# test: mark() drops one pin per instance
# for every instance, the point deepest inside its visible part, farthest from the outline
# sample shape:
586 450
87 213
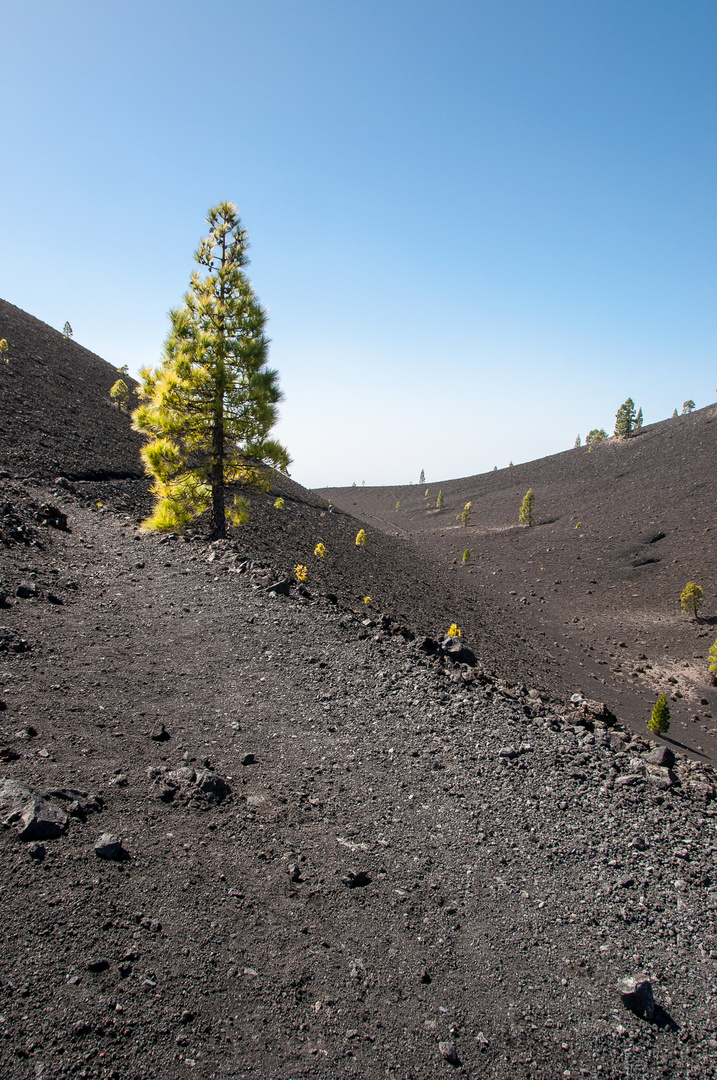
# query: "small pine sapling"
398 505
367 600
361 538
238 512
659 722
453 631
691 598
577 443
279 503
526 510
439 500
713 661
3 350
120 395
466 515
674 414
319 550
638 419
67 330
301 573
422 477
688 406
466 556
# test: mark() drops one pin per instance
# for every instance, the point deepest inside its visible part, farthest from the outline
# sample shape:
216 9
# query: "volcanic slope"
620 529
57 415
329 854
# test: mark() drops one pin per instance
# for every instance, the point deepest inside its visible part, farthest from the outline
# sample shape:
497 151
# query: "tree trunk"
219 526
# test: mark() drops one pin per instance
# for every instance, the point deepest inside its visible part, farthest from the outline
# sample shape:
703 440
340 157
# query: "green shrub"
691 598
659 722
713 660
526 510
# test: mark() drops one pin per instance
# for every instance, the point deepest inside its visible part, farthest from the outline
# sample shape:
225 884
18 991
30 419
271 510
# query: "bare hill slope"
620 530
55 406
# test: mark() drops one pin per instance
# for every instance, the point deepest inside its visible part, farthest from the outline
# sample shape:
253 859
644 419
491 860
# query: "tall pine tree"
210 405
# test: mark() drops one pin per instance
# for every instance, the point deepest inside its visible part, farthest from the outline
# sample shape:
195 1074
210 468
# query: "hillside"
620 530
58 419
260 831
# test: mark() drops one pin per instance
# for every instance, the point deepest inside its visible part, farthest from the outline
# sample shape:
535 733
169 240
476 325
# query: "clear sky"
478 225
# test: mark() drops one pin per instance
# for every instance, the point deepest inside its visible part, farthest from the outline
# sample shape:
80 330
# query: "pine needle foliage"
439 501
691 598
210 405
466 556
659 722
595 436
525 516
466 515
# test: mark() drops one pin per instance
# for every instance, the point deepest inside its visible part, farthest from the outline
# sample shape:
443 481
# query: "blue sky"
477 226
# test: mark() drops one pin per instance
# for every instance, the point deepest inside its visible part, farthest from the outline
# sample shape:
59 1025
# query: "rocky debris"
636 994
356 880
449 1053
49 515
248 759
27 592
98 964
109 846
12 641
456 651
159 733
187 785
36 851
79 804
281 588
36 817
660 756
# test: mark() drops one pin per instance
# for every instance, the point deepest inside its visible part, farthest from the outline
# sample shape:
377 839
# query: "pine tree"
659 722
439 501
210 405
638 419
688 406
466 556
674 415
422 477
67 330
691 598
526 510
594 436
577 442
466 515
625 419
120 394
3 350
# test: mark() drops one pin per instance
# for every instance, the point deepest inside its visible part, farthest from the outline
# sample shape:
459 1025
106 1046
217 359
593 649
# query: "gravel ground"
341 855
